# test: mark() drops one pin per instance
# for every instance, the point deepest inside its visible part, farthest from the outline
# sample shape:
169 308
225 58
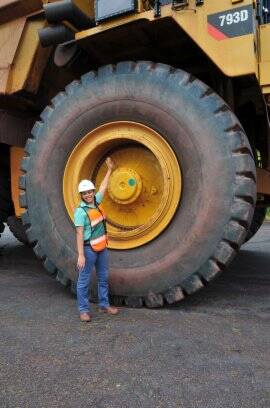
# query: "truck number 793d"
233 18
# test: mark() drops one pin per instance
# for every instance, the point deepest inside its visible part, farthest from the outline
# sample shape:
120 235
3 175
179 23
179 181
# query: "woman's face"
88 196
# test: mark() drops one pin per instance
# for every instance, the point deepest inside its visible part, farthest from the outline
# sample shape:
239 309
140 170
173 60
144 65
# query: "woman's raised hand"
103 186
110 163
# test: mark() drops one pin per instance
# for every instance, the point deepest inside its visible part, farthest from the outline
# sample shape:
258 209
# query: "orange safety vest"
99 238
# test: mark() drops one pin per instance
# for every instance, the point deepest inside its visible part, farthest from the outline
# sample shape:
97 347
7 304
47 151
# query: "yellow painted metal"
266 89
235 56
125 185
264 66
16 155
22 59
23 68
10 35
264 42
87 6
30 58
144 189
15 9
265 73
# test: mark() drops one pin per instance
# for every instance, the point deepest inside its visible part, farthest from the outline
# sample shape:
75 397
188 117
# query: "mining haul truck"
177 93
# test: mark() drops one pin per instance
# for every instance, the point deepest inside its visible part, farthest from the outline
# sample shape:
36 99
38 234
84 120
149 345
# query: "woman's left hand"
110 164
104 184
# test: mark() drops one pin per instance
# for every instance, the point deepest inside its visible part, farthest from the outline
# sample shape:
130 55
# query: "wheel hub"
125 185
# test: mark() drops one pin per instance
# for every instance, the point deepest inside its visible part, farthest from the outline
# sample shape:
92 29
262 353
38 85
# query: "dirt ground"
210 351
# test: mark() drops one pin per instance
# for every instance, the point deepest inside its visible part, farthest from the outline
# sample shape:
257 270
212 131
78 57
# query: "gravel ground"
210 351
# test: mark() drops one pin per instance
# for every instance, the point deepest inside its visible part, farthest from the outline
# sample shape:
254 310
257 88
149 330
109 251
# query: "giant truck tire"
181 199
6 207
257 221
17 228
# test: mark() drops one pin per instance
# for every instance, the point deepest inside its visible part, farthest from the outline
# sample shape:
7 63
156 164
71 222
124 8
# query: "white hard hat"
85 185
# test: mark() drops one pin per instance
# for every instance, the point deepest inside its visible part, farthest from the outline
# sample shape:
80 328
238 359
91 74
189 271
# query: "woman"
91 244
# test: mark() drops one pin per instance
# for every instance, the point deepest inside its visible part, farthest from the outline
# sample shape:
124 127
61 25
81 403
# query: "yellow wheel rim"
144 189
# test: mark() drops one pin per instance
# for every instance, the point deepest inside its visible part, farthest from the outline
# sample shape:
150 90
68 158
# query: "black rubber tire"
17 228
6 206
217 166
257 221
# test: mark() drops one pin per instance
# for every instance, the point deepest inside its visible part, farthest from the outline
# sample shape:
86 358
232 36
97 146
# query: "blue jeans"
100 261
